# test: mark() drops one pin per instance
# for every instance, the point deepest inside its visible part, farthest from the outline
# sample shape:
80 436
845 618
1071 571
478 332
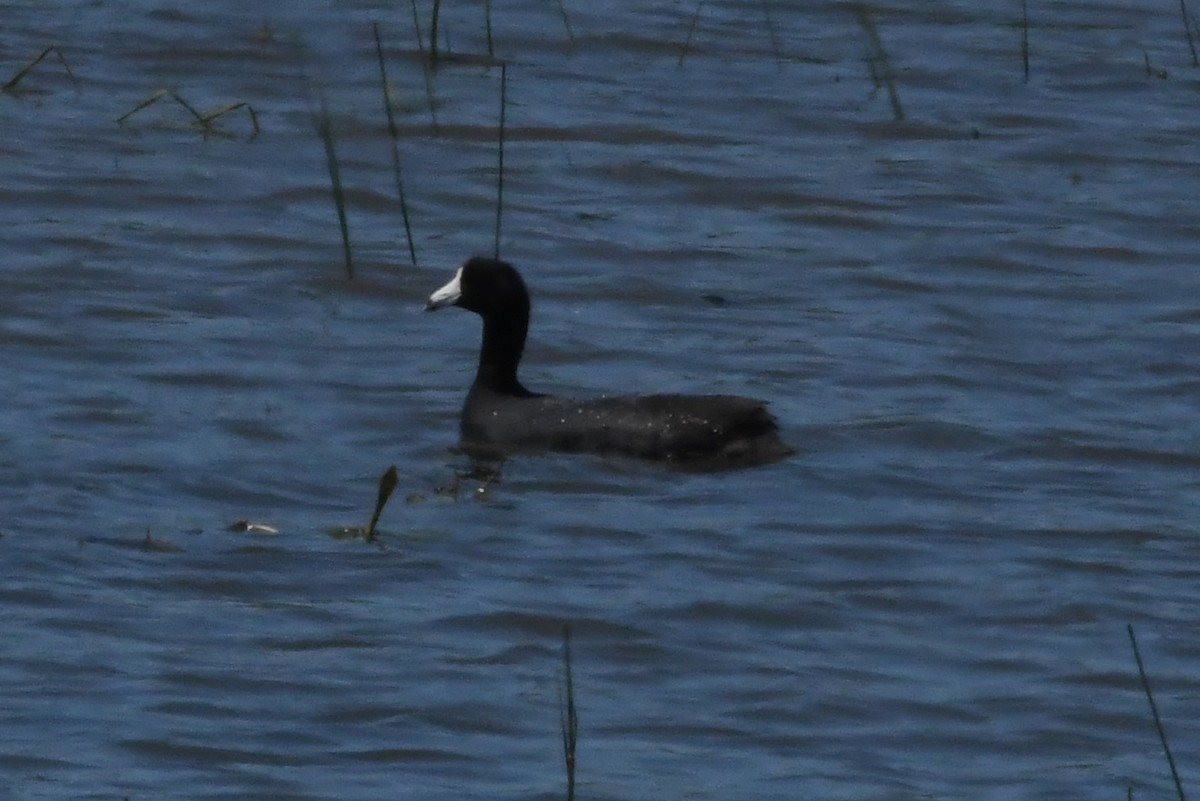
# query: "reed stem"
1187 29
394 135
1162 734
1025 38
562 10
775 47
433 33
500 154
424 67
687 42
487 23
325 130
569 718
879 57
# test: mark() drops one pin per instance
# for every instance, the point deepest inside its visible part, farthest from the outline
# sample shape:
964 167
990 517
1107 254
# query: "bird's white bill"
447 295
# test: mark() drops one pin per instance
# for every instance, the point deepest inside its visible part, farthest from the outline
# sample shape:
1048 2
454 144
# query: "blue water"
977 325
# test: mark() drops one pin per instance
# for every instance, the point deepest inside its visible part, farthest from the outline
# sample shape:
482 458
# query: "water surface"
978 326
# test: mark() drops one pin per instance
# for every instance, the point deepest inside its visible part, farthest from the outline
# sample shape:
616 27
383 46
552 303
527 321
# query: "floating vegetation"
203 120
11 84
395 137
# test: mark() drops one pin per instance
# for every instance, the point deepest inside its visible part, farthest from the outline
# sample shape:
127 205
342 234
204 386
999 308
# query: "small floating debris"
246 527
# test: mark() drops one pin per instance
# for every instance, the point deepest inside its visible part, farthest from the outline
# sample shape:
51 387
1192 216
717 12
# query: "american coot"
707 431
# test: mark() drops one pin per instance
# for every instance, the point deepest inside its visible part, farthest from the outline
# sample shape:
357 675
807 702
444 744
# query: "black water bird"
500 414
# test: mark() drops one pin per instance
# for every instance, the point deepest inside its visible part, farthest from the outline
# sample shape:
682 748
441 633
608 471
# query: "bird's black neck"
503 344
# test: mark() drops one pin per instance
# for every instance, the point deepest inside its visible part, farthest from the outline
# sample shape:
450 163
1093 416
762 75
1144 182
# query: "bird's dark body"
500 414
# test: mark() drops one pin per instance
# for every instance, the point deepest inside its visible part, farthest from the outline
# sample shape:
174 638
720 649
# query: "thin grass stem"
568 716
207 119
11 84
880 58
178 99
562 10
21 73
687 42
1187 29
1162 734
775 46
500 154
325 130
154 98
394 135
417 29
1025 38
425 68
487 24
433 33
